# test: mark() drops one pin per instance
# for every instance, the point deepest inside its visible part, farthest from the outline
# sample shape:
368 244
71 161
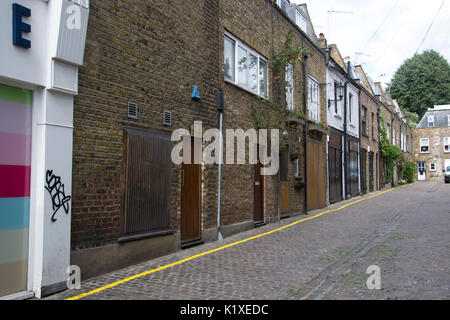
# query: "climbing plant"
391 153
271 113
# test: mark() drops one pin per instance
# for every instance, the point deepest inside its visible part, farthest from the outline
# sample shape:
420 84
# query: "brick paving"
405 232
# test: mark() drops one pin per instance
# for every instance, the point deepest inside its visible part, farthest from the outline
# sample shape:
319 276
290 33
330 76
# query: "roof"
441 117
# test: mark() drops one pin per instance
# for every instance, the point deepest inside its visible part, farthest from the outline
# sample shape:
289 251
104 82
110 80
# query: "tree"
422 82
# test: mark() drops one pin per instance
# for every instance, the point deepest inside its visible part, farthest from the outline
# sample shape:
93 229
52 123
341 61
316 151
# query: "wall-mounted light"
339 92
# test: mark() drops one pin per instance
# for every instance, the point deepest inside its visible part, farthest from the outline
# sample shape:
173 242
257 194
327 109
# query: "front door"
364 171
15 171
284 181
422 170
191 185
316 171
335 167
258 191
371 176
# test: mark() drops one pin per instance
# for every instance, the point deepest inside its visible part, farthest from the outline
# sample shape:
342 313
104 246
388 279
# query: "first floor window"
289 87
350 107
432 166
244 66
364 120
313 100
424 145
447 144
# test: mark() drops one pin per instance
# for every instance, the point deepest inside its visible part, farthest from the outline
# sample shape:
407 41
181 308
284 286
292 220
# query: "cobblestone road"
405 232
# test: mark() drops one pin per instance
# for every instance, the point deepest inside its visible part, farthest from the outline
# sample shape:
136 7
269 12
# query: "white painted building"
342 101
42 45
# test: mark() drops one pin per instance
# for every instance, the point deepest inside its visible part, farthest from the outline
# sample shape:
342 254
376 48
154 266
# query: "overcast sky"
405 25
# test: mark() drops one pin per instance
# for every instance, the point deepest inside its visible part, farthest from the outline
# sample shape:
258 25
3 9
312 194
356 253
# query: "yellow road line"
222 248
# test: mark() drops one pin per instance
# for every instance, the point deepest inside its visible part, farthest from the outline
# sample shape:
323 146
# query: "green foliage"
391 153
270 113
422 82
412 118
409 170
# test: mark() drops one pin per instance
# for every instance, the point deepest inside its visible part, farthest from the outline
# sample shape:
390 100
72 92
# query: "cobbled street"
404 231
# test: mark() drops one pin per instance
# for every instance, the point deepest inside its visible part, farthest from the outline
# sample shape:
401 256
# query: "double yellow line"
112 285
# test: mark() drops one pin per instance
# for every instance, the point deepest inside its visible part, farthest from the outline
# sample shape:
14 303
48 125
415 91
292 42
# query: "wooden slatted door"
335 168
191 186
284 181
363 171
258 190
148 169
316 171
371 171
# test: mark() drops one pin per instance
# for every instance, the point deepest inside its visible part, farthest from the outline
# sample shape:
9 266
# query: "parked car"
447 174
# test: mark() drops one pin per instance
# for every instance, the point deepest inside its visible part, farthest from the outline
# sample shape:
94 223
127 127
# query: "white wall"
52 122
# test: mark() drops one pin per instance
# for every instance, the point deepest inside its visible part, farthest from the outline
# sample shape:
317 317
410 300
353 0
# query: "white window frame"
350 106
301 21
447 145
402 142
289 87
448 120
431 118
313 99
238 43
431 167
425 145
297 168
393 136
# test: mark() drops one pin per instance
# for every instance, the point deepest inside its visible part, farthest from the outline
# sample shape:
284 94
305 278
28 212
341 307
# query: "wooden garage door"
316 171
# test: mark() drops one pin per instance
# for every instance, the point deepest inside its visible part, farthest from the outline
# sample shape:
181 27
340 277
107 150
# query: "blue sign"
19 26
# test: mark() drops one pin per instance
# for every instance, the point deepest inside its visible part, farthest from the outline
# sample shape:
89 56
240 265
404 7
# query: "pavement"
405 232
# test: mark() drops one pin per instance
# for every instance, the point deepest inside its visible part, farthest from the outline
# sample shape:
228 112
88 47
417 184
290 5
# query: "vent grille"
132 110
167 118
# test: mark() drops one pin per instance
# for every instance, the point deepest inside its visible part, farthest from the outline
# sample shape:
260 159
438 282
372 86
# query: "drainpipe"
379 149
220 106
305 133
360 138
345 130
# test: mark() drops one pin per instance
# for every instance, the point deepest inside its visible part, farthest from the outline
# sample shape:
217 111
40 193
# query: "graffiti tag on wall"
56 189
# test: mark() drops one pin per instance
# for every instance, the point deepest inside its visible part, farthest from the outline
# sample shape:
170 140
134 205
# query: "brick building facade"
142 63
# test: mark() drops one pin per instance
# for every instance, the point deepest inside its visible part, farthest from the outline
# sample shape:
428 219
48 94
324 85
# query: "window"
300 20
430 121
432 166
289 87
248 71
297 168
229 61
401 141
350 107
336 97
448 120
388 131
313 100
447 144
393 136
364 120
373 118
425 145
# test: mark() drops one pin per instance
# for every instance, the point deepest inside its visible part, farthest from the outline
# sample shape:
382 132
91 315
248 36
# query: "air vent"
167 118
132 110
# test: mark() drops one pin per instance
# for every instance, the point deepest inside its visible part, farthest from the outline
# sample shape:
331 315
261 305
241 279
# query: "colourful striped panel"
14 181
14 213
15 117
13 245
15 149
15 94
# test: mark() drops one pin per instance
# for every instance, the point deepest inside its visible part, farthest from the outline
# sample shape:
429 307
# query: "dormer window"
300 20
430 121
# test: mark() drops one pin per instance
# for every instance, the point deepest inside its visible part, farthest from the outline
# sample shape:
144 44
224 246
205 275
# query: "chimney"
322 41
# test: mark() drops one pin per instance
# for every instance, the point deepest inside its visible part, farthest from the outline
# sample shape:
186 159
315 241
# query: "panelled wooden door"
363 171
316 171
371 171
258 190
191 186
284 181
382 173
335 168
